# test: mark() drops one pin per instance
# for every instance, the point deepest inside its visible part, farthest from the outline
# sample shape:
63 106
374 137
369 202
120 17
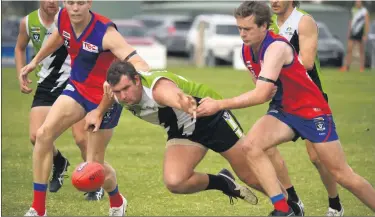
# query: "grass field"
136 152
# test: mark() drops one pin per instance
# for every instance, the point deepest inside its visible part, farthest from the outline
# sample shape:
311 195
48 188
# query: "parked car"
221 37
170 30
11 26
330 49
148 48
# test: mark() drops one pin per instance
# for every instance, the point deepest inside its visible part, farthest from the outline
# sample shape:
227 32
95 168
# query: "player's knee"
344 176
315 160
44 134
82 145
81 141
174 183
251 148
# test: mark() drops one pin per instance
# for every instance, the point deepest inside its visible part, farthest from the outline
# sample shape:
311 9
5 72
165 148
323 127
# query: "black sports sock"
217 182
292 194
58 160
334 203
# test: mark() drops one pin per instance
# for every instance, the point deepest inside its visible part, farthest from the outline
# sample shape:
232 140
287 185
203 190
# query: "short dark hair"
118 69
296 4
260 10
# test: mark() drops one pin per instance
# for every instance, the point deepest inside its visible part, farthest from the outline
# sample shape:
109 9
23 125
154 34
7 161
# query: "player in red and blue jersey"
93 43
298 109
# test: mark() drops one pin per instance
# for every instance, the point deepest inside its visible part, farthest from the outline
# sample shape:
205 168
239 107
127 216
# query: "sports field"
136 152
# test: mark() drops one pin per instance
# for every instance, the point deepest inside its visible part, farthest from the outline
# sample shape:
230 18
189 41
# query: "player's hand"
93 120
208 106
107 90
188 104
23 78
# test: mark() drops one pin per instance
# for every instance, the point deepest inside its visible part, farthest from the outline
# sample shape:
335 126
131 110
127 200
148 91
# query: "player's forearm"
105 104
308 60
20 59
140 65
244 100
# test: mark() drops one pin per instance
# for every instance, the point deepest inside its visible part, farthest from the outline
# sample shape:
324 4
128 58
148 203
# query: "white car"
154 53
220 38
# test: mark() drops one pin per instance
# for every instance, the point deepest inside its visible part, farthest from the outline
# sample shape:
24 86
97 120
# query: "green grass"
136 152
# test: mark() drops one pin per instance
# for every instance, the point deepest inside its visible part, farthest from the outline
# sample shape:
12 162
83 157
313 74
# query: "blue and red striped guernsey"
297 94
89 60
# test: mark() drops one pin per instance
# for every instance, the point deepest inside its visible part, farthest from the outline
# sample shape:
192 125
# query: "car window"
151 23
323 33
226 30
183 25
372 30
131 31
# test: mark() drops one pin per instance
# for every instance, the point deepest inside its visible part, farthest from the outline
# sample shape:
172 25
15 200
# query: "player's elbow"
309 65
308 61
263 97
19 49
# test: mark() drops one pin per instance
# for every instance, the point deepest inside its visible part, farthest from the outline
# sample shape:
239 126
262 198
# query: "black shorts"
44 96
357 37
218 132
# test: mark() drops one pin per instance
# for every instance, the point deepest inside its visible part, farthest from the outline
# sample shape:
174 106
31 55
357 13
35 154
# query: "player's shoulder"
307 22
101 18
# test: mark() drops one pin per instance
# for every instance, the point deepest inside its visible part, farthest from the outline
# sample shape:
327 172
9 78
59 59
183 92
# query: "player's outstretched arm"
308 41
166 93
20 53
116 43
277 54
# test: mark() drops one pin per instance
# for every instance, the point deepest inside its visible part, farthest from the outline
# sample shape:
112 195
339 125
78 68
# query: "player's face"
250 33
50 7
78 10
127 91
279 7
358 3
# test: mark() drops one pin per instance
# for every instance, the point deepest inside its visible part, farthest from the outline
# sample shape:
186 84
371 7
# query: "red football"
88 177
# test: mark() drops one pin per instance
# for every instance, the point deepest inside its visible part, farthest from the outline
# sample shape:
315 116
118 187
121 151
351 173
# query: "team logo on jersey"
35 29
36 37
90 47
251 69
66 35
289 31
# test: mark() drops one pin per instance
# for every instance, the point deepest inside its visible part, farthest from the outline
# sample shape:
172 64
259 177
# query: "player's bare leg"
60 164
333 158
327 179
95 153
239 164
80 136
63 114
180 161
283 175
348 58
267 132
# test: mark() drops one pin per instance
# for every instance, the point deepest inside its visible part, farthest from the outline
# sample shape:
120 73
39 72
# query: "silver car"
170 30
330 49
